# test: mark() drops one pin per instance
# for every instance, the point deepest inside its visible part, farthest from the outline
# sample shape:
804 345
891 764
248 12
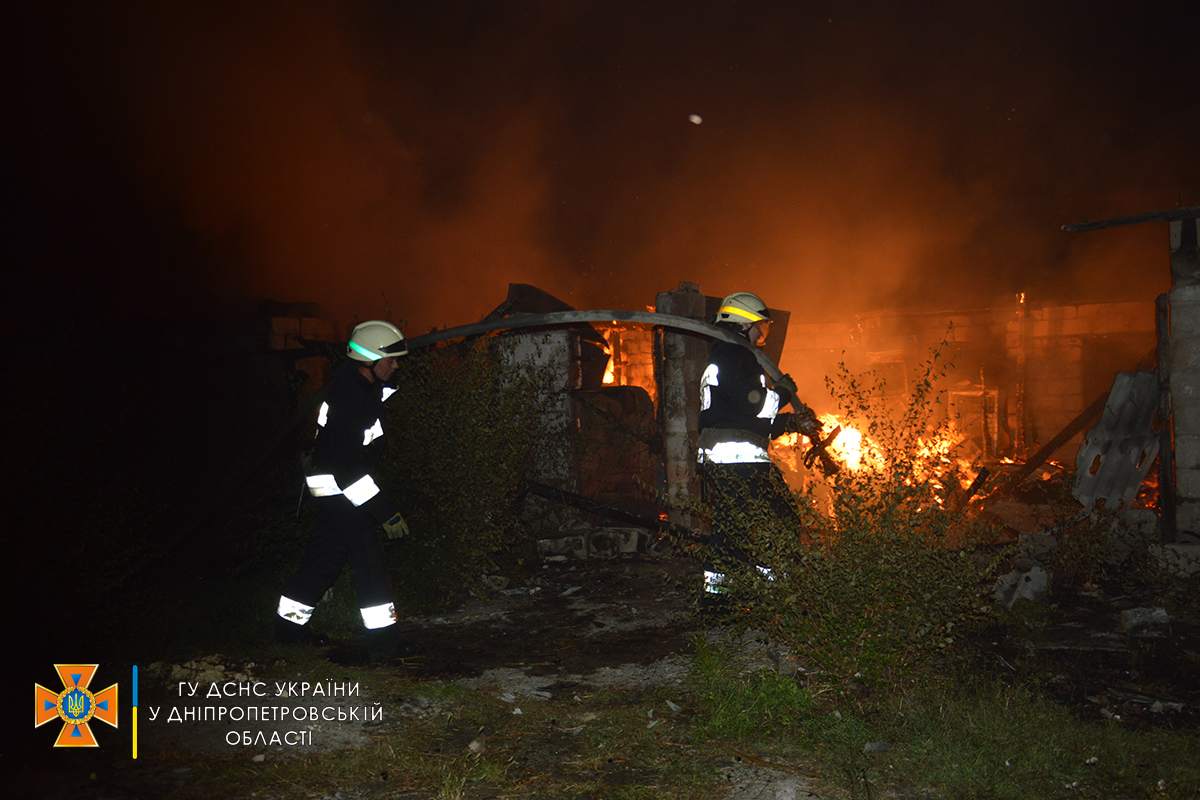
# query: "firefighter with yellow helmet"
350 506
740 412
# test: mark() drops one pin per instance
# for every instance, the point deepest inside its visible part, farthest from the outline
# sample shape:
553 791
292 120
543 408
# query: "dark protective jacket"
350 441
735 400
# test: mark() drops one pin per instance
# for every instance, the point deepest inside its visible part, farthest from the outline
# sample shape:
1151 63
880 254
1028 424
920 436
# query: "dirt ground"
578 619
625 623
577 628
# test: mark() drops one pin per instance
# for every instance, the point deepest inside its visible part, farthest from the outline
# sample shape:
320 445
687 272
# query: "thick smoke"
412 159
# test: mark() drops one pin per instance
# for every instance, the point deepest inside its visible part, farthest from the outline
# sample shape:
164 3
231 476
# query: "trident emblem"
75 705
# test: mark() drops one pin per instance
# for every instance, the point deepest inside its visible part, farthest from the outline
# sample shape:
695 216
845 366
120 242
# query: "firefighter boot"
288 632
384 644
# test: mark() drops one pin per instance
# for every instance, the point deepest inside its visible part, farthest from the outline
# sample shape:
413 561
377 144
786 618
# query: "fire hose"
569 317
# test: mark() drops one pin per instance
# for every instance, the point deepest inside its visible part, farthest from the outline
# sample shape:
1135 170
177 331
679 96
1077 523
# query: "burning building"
1028 379
1026 382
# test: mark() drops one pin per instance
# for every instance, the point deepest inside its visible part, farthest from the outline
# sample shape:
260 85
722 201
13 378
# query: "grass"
951 733
956 735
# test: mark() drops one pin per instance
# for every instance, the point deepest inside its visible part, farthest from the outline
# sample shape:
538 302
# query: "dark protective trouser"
342 534
730 489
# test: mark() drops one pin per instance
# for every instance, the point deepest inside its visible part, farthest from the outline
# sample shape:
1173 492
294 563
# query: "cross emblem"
75 705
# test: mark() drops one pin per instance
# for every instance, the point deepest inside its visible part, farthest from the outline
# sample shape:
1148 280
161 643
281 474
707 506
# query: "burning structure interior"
1021 375
1028 380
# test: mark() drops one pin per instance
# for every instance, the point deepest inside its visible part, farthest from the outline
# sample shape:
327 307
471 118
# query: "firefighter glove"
807 422
786 387
396 527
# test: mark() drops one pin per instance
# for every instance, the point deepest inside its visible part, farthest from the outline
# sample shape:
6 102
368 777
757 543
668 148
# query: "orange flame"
856 451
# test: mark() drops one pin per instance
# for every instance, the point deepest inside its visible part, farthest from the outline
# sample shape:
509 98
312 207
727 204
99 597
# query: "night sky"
411 159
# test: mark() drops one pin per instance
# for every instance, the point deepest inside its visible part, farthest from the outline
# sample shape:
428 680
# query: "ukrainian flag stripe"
135 705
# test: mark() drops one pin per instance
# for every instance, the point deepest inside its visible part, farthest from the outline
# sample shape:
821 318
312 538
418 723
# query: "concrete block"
1082 327
1066 351
282 341
613 542
321 330
1100 310
1146 622
1044 329
1187 484
1184 294
1058 410
1051 353
1039 370
1185 387
1056 388
1033 585
1185 357
285 325
1187 516
1186 413
1092 311
1185 321
1059 312
1067 403
1142 522
570 547
1182 560
1187 451
971 333
838 329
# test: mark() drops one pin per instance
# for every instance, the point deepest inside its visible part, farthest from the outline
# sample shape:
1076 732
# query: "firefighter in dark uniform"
350 506
740 412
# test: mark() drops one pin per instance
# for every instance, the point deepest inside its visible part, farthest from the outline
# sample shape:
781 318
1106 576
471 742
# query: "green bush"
463 427
882 576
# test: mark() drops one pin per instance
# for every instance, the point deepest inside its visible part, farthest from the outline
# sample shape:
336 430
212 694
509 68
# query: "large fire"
936 457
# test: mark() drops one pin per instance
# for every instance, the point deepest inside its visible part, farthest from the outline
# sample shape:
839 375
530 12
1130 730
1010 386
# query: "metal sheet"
1116 454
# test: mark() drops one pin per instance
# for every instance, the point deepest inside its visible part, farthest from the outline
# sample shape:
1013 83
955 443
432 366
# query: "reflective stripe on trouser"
342 534
294 610
713 581
322 485
378 616
359 492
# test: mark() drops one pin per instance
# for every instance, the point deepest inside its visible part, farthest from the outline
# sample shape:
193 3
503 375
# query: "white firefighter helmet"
743 307
375 339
